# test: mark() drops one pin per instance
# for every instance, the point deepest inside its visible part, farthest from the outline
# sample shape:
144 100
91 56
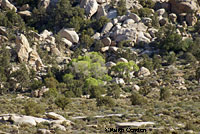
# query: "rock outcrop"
90 6
7 5
183 6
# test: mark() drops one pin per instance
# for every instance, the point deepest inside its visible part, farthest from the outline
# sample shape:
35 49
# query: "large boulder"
191 19
101 12
107 27
23 48
90 6
7 5
121 33
70 34
54 116
28 120
183 6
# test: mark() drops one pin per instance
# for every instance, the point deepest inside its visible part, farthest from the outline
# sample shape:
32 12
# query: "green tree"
90 65
137 99
62 102
33 108
124 69
51 82
121 7
165 93
105 101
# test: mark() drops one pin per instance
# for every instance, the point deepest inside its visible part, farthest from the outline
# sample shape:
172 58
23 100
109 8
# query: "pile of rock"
55 120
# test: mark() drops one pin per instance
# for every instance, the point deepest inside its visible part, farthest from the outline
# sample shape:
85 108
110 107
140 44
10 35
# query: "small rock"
122 60
25 7
143 72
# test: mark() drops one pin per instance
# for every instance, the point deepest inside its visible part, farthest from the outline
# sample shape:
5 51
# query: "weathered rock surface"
90 6
183 6
25 13
23 48
143 72
7 5
70 34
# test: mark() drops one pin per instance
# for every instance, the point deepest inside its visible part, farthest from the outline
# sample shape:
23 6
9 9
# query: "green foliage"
125 43
62 102
157 60
5 63
144 12
113 90
155 21
147 62
69 94
165 93
52 93
96 91
36 84
33 108
124 69
68 78
32 3
92 82
105 101
98 24
90 65
169 40
121 7
86 41
198 74
171 58
190 126
22 76
51 82
189 57
10 19
137 99
147 3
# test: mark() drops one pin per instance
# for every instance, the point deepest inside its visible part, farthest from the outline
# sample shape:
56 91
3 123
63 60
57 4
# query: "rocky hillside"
84 66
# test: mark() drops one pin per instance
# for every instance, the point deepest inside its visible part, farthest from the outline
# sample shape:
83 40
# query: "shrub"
137 99
189 57
51 82
33 108
98 24
69 94
121 7
124 69
198 74
105 101
147 3
113 90
95 91
144 12
164 93
171 58
62 102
